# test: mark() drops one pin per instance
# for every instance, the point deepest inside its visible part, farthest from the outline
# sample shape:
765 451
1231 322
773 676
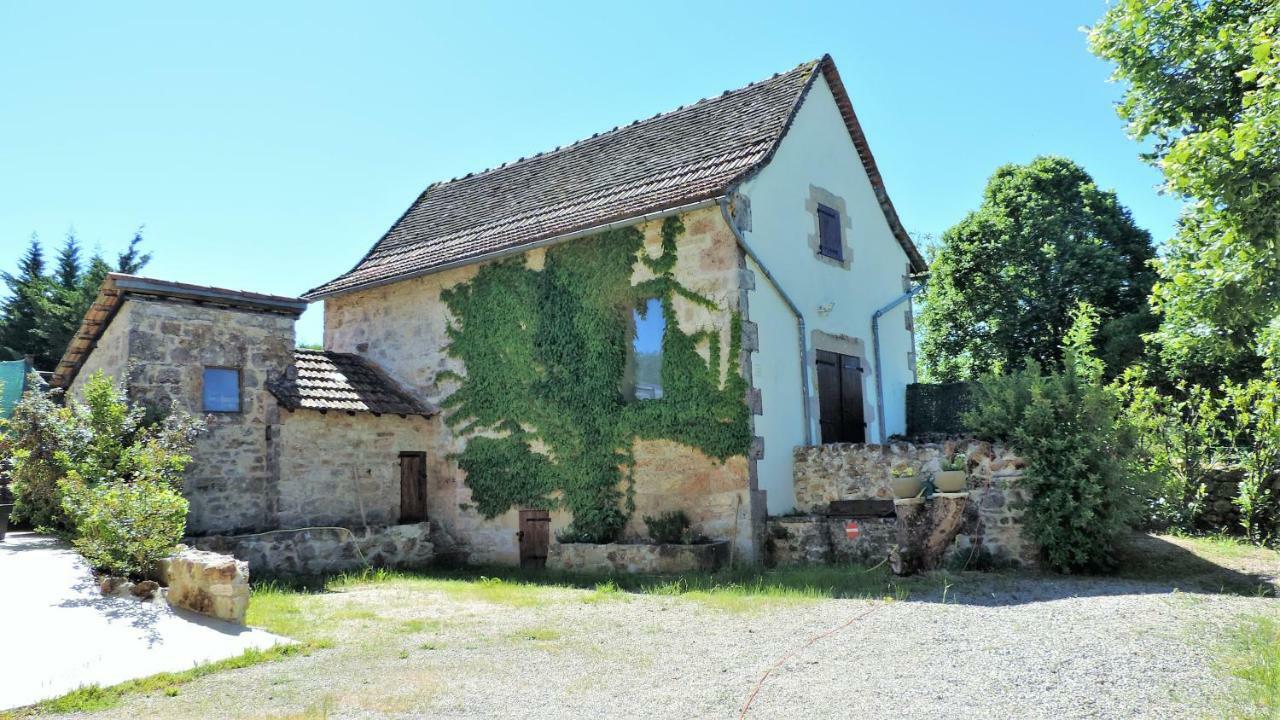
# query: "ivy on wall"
542 400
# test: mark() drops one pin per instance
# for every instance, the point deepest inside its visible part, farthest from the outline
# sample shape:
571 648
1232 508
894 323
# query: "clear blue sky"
266 146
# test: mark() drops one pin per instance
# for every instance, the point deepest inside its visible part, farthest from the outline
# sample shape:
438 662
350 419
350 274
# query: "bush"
39 431
1179 438
125 528
1067 426
669 528
1253 410
103 474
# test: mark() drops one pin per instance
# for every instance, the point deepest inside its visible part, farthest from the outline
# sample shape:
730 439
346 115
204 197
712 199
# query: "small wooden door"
535 537
413 487
840 398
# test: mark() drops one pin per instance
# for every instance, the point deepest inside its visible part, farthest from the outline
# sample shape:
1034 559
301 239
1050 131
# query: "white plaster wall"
818 151
775 371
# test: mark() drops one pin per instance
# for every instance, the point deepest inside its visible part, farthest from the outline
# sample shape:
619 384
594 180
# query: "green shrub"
1067 426
669 527
1254 431
103 473
1179 438
40 430
125 528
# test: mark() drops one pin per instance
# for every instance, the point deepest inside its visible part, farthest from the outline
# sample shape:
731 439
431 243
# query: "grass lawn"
382 644
1252 659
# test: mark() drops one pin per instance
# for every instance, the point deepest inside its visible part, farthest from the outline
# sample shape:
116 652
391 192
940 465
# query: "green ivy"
542 400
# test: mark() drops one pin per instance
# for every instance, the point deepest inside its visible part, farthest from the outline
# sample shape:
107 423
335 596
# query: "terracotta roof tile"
322 380
694 153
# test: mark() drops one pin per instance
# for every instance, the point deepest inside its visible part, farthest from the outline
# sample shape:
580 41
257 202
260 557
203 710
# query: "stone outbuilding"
294 438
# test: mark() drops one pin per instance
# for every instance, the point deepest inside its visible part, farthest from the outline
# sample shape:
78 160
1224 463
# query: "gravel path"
999 647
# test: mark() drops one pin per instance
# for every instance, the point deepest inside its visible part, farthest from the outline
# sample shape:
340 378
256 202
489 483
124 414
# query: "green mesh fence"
937 408
13 376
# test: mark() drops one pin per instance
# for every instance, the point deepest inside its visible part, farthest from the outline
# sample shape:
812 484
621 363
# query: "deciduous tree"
1005 280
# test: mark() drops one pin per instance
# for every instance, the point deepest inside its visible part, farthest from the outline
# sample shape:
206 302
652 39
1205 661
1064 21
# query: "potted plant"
905 482
952 477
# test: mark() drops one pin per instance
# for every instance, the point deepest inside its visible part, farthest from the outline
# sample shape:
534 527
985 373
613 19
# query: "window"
644 364
221 390
829 243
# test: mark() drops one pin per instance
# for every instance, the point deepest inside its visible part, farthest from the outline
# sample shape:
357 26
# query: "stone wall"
164 346
324 551
640 558
402 327
816 539
110 354
992 529
341 469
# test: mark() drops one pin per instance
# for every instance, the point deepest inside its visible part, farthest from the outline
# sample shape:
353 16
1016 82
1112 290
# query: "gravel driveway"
998 647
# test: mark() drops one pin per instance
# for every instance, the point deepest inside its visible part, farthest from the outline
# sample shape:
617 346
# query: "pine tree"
43 310
68 271
21 310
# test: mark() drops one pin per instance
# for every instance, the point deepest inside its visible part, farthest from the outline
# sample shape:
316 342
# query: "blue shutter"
829 233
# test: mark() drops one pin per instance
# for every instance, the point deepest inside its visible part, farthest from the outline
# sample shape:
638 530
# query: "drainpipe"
875 343
804 345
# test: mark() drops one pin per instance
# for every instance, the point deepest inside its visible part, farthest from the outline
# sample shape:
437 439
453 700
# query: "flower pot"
4 519
906 487
950 481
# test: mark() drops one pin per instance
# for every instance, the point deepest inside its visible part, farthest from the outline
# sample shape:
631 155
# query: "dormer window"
829 241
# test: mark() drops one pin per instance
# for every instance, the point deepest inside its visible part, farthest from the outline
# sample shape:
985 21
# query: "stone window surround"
239 390
843 345
819 196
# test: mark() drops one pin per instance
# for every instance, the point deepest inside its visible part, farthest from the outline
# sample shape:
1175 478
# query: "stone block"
208 583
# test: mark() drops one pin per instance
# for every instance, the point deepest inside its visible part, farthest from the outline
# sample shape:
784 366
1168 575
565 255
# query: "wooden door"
840 398
535 537
413 487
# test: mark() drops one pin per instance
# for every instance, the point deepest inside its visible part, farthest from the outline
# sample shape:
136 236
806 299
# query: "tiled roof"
691 154
322 380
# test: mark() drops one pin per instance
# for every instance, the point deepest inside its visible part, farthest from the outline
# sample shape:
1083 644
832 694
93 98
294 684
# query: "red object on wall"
851 529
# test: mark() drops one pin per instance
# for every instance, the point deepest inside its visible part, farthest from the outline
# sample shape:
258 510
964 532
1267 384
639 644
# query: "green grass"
1253 661
734 590
92 698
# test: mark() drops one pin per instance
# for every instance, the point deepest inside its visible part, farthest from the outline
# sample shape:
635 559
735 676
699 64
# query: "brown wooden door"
840 398
413 487
535 537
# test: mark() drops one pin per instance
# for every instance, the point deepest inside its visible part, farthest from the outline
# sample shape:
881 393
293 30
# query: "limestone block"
208 583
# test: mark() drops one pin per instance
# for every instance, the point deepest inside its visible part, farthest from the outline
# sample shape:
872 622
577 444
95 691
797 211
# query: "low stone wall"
322 551
814 540
207 583
992 529
637 558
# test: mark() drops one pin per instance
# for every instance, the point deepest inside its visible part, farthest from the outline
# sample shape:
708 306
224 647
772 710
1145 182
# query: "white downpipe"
875 344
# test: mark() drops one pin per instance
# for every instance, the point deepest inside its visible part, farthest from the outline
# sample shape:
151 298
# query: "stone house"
648 320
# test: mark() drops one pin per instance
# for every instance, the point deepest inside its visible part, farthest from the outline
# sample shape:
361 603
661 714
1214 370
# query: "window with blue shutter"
829 243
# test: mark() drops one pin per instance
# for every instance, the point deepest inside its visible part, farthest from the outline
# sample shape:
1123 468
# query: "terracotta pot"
4 519
950 481
906 487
